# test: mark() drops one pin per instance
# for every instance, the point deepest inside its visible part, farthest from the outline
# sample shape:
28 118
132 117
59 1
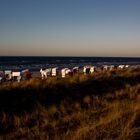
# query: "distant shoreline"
34 63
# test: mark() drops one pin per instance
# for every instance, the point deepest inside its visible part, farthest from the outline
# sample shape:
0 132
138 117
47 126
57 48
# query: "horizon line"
67 56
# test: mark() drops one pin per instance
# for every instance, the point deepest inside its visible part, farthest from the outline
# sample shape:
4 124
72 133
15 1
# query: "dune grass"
102 106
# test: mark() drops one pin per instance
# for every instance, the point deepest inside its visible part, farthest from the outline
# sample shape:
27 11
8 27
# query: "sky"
70 28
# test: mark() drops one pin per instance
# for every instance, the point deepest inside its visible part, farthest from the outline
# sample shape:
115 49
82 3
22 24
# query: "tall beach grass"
102 106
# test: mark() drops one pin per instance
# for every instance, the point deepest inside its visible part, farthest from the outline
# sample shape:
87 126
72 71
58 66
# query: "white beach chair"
86 70
16 76
64 72
45 73
8 74
55 71
121 66
92 69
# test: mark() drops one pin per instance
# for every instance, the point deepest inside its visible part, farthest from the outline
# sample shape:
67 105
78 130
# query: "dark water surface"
35 63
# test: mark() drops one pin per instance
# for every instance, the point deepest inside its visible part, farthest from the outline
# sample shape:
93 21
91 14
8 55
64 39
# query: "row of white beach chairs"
112 67
58 71
67 71
9 75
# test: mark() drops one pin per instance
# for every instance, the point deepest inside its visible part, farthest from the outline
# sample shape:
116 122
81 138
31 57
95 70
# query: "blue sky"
70 27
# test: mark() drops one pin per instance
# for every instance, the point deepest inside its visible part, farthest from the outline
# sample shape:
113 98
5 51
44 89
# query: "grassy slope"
101 106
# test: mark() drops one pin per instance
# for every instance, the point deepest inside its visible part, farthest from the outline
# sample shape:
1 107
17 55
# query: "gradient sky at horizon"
70 28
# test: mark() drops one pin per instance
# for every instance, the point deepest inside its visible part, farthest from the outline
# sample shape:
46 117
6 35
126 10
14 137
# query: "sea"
35 63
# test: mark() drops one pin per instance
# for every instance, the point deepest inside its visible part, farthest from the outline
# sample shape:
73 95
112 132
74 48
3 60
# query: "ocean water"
35 63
